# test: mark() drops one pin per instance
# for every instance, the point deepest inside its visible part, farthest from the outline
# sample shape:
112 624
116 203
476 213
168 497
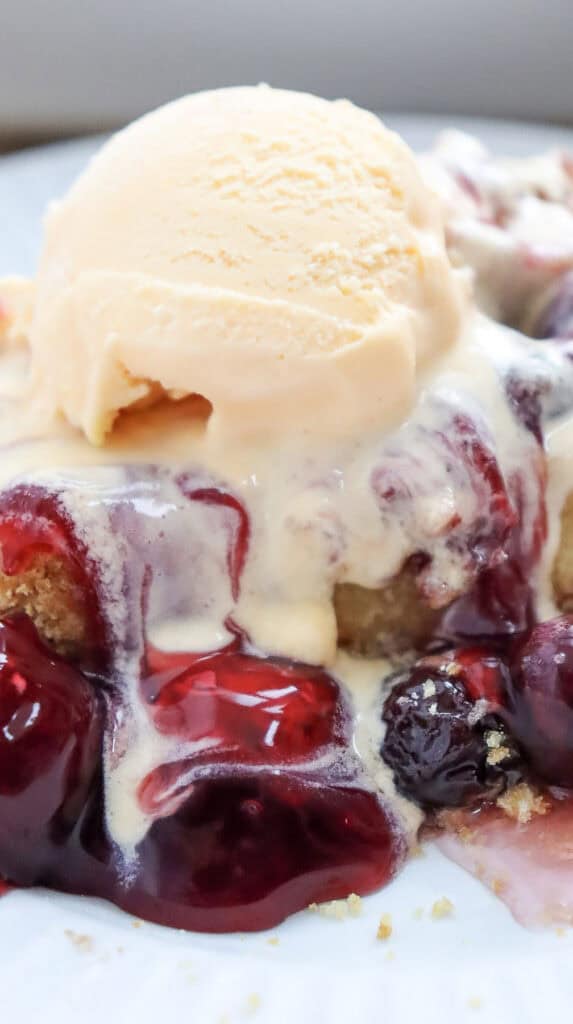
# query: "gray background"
68 66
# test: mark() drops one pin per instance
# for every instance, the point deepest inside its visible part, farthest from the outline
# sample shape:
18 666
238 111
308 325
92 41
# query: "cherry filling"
268 821
259 711
245 851
539 699
498 607
51 724
493 531
425 469
263 814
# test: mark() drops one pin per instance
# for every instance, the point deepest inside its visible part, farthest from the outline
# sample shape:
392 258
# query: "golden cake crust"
382 622
53 600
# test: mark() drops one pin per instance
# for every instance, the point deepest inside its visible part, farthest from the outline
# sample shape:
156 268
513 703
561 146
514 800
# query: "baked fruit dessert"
285 529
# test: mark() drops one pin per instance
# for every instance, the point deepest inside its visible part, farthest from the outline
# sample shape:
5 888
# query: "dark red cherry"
540 699
429 463
437 735
499 605
242 852
252 709
50 748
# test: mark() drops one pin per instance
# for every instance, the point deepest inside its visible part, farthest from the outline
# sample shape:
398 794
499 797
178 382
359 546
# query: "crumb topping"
479 710
442 908
338 910
429 688
467 835
498 885
253 1002
83 943
384 927
521 802
497 750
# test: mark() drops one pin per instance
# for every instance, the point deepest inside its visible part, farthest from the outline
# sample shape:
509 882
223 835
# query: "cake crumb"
521 802
417 850
354 905
453 669
442 908
498 886
390 955
467 835
273 941
497 751
83 943
384 928
429 688
494 738
479 710
338 910
253 1002
418 913
497 755
475 1002
561 933
136 923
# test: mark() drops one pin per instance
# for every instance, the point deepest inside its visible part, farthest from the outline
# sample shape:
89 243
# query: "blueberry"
447 749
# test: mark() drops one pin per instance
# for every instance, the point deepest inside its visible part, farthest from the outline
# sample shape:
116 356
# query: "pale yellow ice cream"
272 251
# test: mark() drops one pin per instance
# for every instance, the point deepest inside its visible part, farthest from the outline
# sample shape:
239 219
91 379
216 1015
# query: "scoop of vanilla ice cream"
274 252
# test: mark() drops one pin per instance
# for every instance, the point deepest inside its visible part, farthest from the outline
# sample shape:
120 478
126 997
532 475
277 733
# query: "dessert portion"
284 527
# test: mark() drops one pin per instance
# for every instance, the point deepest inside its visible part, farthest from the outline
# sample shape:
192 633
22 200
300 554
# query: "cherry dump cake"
285 519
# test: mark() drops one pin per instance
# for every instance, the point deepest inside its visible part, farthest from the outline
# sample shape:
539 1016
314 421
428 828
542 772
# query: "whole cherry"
50 748
539 699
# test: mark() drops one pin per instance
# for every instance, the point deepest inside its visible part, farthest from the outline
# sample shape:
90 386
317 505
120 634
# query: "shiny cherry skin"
243 851
539 709
50 749
256 710
436 738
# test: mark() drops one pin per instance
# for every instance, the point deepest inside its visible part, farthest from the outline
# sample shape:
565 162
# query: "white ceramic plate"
65 960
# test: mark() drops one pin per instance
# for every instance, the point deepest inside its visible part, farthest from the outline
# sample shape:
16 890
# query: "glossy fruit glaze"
436 739
238 846
539 699
497 526
263 711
